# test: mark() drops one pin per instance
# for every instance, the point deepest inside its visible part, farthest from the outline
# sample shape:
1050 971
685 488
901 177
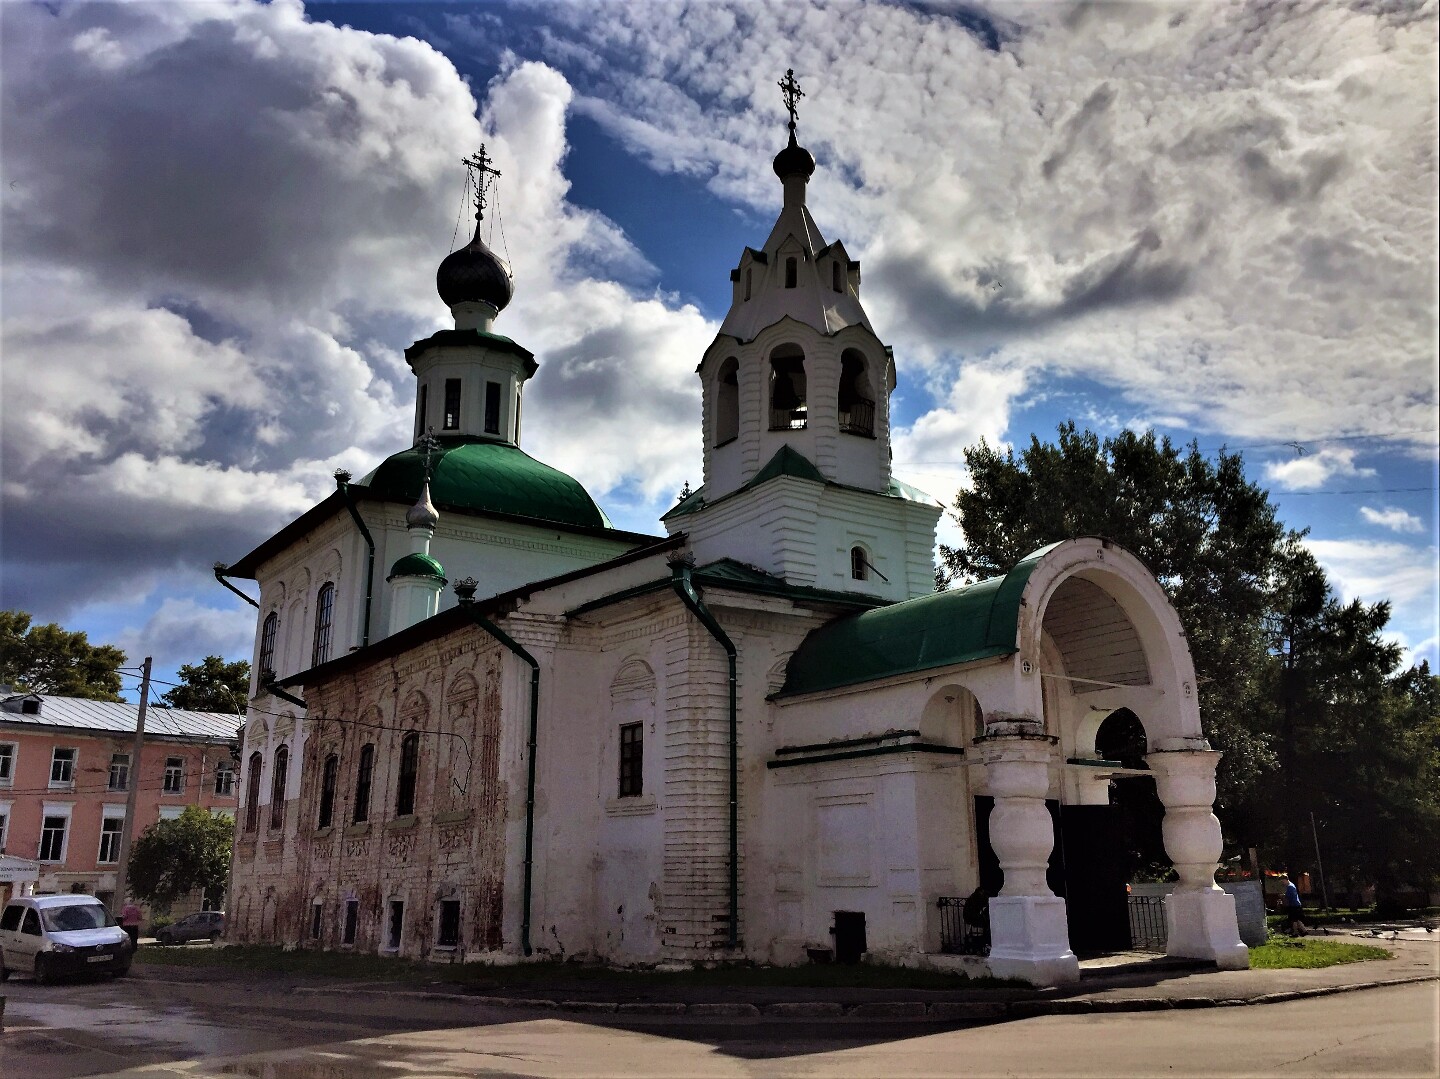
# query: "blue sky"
221 223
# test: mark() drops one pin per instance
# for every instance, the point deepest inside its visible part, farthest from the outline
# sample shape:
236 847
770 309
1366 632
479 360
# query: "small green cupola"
417 579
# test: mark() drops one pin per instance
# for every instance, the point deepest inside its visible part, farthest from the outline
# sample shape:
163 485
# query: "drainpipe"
220 569
465 593
275 691
342 482
685 589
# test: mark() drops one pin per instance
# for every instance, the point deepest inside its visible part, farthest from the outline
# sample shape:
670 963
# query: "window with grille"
252 793
327 790
362 783
409 772
111 829
277 788
859 564
174 775
267 646
119 771
632 760
324 621
52 839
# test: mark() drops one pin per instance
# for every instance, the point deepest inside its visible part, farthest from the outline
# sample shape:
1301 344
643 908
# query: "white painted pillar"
1028 935
1199 914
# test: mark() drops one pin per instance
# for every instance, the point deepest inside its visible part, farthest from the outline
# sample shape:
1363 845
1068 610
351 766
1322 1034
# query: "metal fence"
1147 923
957 935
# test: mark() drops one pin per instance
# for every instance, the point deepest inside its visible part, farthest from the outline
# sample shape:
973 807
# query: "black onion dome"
474 273
794 160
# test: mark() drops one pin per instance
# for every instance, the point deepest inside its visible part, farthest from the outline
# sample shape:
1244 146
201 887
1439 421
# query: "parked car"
50 936
202 925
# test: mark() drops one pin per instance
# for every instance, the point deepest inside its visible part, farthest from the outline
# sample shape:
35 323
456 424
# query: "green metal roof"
417 565
471 473
963 625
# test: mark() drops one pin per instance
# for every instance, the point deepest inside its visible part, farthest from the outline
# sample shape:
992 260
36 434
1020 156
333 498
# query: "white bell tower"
796 390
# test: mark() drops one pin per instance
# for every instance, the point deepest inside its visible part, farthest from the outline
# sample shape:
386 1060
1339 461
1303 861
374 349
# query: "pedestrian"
1293 908
130 921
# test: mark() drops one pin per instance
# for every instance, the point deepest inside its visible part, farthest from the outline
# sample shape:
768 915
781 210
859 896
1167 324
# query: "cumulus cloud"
1312 470
185 628
1401 573
1393 518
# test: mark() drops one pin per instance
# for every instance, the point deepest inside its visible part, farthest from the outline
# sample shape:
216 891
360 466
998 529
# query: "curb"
892 1010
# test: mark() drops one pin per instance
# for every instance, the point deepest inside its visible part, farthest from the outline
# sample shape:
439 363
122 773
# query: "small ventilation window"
792 272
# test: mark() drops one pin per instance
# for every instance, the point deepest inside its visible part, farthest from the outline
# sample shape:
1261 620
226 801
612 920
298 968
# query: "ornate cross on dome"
792 93
430 445
479 164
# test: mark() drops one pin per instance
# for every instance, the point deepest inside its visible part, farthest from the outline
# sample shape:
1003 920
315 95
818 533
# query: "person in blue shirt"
1293 909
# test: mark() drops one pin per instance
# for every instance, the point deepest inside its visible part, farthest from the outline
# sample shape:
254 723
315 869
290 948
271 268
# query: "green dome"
470 473
417 565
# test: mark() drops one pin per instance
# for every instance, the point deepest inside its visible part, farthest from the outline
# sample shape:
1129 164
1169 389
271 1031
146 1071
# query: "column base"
1030 940
1202 925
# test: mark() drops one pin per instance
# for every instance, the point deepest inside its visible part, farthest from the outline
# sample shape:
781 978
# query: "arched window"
792 270
324 623
857 405
409 771
277 788
252 793
727 402
268 632
328 777
788 411
835 277
362 783
859 564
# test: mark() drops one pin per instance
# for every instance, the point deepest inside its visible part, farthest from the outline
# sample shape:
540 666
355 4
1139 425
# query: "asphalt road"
159 1025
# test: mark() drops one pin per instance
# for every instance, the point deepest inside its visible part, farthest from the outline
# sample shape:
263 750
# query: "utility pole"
127 832
1324 892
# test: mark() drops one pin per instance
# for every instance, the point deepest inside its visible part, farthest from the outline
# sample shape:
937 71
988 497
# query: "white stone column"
1028 935
1199 915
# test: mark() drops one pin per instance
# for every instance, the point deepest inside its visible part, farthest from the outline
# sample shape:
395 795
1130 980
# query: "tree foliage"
211 685
174 857
50 659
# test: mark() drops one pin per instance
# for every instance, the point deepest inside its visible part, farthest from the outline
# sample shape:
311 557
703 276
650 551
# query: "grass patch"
547 975
1284 952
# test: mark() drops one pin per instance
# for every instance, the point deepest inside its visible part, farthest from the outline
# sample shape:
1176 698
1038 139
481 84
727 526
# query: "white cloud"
1313 470
1372 571
187 629
1393 518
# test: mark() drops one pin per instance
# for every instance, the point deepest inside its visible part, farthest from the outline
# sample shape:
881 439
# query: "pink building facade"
66 770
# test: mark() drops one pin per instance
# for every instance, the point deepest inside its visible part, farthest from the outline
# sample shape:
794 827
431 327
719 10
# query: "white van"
49 936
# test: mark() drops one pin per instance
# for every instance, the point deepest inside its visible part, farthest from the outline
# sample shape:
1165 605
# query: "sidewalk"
1114 984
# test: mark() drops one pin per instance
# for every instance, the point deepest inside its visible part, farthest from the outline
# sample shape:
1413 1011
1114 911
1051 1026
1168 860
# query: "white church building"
762 737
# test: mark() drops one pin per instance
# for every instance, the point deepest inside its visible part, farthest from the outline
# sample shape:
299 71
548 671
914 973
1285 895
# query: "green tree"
1210 536
211 686
172 858
49 659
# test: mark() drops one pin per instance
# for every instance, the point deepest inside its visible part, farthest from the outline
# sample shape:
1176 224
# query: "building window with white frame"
174 775
4 823
7 763
224 779
54 830
62 766
119 771
112 825
170 812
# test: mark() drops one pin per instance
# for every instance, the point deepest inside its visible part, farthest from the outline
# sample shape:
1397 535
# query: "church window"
788 410
362 783
517 416
252 794
448 935
792 271
409 772
324 623
727 402
835 278
352 921
277 788
451 420
748 274
492 408
395 925
632 760
328 776
859 564
856 402
267 646
317 916
420 408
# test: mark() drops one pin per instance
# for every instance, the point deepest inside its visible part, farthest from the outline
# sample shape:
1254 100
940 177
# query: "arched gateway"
1020 672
